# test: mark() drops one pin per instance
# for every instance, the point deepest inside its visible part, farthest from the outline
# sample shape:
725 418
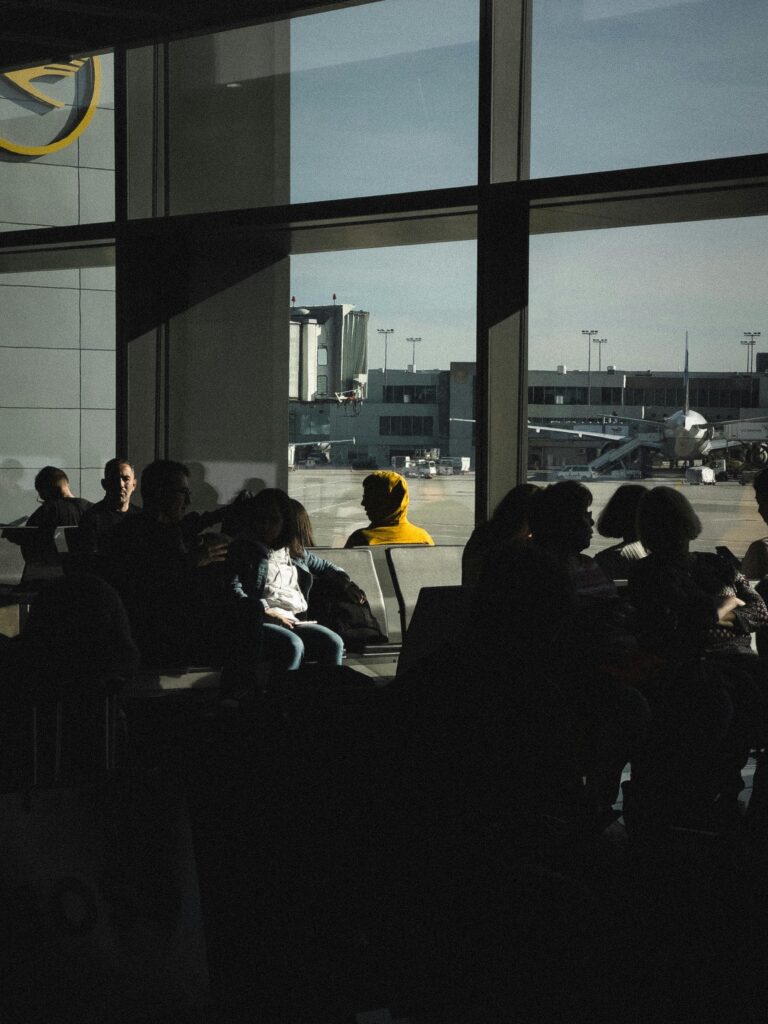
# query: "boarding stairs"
619 453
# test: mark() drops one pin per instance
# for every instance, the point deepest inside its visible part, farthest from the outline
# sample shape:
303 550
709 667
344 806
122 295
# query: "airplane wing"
537 429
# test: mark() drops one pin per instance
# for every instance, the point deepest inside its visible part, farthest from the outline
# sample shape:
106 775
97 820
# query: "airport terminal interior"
244 236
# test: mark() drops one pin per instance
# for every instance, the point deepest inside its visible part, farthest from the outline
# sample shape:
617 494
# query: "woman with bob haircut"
268 563
618 519
695 615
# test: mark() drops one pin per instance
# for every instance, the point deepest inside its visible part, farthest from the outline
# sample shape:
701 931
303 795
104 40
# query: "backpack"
331 604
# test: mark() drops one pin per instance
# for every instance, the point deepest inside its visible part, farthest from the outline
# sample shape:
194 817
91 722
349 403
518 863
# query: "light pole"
599 342
386 331
590 335
750 340
414 342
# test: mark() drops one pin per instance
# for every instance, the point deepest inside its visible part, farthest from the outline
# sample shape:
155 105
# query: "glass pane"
57 144
384 99
57 382
608 319
399 328
625 83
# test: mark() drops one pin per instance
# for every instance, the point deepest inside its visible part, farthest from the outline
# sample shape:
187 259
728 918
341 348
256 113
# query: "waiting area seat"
415 566
438 613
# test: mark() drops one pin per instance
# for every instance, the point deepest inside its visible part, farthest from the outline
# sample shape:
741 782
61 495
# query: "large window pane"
623 83
57 144
384 99
608 318
397 328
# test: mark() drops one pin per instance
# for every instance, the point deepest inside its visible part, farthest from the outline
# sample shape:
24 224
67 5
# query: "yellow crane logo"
30 83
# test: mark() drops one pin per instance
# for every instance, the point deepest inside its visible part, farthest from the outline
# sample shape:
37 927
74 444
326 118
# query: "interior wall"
57 327
228 382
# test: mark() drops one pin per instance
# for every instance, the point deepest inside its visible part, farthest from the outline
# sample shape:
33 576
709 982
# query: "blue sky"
385 100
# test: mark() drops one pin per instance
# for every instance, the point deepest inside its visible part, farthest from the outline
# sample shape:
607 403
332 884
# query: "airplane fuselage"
686 435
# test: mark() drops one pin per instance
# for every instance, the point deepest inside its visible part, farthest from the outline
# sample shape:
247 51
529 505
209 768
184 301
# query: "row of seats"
393 577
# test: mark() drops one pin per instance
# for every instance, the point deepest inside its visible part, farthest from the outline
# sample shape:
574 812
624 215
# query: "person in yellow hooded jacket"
385 500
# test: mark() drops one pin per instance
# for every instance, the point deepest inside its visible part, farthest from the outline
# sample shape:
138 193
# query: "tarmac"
445 507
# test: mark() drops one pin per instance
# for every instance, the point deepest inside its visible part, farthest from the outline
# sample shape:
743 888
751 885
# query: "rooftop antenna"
686 382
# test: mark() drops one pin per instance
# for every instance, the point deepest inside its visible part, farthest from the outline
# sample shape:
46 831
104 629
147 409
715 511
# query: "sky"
384 99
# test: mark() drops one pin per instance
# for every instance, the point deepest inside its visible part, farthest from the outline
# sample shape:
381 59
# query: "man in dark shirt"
99 520
169 582
59 508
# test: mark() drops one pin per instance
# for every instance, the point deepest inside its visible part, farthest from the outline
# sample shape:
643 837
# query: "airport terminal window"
366 306
408 393
406 426
635 83
604 296
384 98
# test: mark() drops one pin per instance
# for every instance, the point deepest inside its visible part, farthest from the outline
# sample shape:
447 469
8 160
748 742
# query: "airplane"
682 436
687 435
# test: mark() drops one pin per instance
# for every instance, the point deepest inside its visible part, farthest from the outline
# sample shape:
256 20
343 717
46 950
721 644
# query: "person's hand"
725 612
212 550
282 617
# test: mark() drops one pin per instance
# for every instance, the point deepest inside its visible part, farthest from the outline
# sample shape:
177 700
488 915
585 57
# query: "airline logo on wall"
46 108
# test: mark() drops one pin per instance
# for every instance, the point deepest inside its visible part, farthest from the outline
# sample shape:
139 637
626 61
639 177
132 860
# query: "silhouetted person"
508 523
597 651
385 500
76 635
755 562
483 779
98 522
618 520
695 614
59 507
168 580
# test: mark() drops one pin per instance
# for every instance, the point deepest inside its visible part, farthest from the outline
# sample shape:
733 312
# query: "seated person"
695 613
755 563
480 745
560 522
335 602
385 500
509 522
97 523
269 566
618 520
598 661
59 508
171 591
689 604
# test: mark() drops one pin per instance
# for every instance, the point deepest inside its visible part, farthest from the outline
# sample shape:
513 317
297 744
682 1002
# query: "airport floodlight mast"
599 342
750 340
590 335
386 331
413 342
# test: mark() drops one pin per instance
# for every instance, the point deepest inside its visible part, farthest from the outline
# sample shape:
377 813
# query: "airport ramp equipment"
620 452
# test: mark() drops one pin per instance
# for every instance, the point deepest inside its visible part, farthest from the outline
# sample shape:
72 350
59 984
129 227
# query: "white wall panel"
39 378
38 317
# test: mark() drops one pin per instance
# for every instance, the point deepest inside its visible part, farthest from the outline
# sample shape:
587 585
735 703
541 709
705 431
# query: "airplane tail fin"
686 381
